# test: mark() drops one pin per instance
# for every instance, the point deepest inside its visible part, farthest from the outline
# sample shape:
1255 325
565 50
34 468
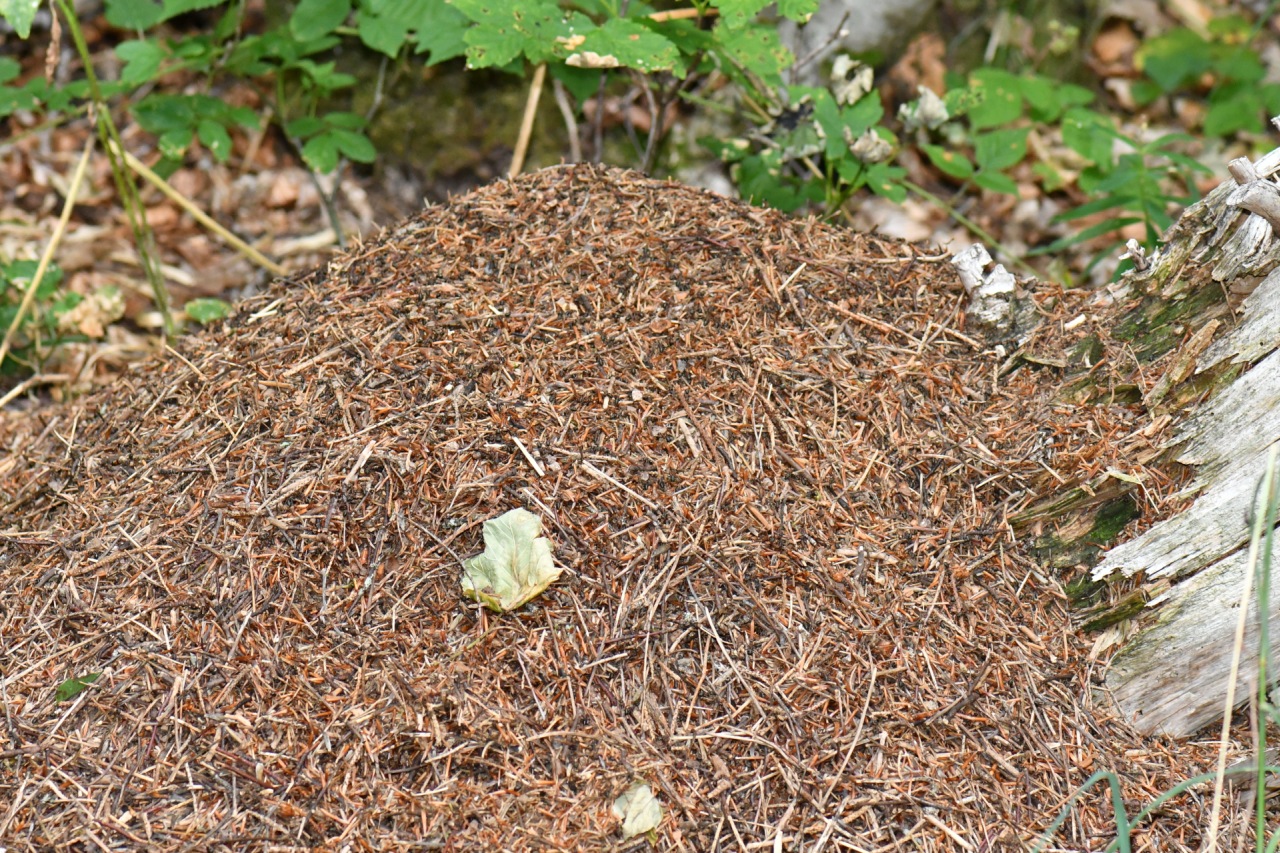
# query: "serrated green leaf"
313 19
1175 58
737 13
997 150
948 162
19 14
142 59
506 30
439 32
758 50
207 310
73 687
638 809
797 10
1233 110
516 565
383 34
134 14
622 43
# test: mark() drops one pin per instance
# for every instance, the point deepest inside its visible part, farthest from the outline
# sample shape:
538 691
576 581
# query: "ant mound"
775 470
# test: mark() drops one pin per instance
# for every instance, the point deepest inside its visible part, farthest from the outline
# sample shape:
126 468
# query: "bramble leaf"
623 43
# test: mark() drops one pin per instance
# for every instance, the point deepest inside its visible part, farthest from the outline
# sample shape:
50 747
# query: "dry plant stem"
570 123
526 123
109 135
77 178
1255 544
31 382
203 218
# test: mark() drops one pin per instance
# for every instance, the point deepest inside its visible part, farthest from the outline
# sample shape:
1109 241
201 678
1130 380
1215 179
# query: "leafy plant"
1227 65
1141 185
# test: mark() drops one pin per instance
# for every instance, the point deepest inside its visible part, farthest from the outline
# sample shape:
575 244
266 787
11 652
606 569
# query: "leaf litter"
780 477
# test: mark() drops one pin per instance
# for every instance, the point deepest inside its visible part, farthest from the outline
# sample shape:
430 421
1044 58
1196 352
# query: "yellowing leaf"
516 565
638 809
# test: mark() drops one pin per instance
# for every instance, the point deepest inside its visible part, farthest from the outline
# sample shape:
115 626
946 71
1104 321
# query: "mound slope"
776 469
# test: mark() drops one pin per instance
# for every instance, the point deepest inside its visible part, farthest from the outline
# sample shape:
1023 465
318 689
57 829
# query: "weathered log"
1222 389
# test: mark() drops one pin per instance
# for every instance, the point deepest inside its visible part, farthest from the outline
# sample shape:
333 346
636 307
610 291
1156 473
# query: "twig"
526 123
570 123
203 218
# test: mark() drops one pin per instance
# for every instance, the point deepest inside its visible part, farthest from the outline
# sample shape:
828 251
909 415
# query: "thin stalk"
1264 645
109 136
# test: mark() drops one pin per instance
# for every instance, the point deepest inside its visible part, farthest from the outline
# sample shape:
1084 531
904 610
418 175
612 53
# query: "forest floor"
778 470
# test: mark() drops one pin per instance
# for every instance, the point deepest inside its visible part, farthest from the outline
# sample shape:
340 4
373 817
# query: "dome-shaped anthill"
776 471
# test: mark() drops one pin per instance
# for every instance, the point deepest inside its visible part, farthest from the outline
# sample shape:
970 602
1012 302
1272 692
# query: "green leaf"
440 31
1050 178
737 13
505 30
582 83
134 14
174 143
142 60
383 34
949 162
624 43
1233 109
19 14
638 809
1175 59
516 565
345 119
355 145
1088 134
885 180
315 18
1000 149
215 138
761 180
996 182
304 127
1000 96
206 310
797 10
758 50
10 68
321 152
73 687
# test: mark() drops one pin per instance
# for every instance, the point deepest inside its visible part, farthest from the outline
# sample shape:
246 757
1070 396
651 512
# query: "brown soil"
777 471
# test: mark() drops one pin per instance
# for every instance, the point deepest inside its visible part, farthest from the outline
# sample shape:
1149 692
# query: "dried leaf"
516 565
638 809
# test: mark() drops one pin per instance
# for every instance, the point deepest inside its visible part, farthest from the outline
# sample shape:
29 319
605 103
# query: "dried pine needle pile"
776 470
